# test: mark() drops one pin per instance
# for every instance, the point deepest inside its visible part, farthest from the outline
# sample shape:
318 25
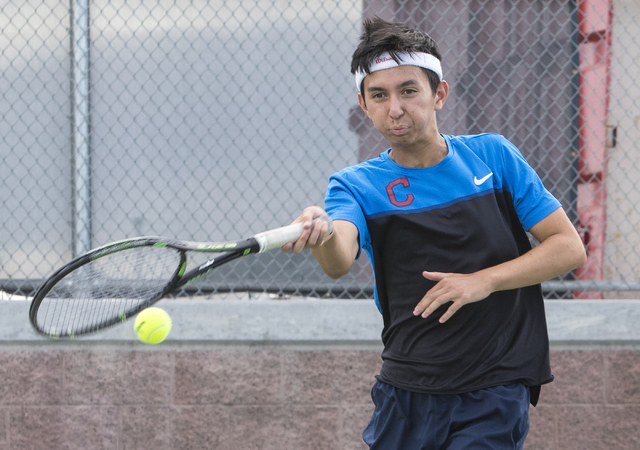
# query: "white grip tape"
269 240
276 238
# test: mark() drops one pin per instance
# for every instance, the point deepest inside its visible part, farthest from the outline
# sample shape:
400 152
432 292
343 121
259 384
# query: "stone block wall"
240 398
312 393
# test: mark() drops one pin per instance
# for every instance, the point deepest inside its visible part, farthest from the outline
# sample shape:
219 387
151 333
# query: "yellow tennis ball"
152 325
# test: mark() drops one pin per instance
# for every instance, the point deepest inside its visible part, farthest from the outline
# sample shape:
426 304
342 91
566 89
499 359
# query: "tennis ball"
152 325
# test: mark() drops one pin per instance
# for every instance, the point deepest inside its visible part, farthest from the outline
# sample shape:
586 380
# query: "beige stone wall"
223 397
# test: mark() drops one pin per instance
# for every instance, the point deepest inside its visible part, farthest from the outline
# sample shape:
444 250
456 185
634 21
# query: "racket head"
109 284
106 286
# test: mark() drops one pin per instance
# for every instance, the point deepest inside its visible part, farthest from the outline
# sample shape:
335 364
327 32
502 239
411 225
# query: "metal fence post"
81 125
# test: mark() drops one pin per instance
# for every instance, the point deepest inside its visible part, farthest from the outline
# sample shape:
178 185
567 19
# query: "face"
402 106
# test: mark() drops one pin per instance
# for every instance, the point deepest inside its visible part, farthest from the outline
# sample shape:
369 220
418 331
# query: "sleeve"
341 204
532 201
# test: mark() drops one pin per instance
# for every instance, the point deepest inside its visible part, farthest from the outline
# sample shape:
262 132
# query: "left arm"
560 251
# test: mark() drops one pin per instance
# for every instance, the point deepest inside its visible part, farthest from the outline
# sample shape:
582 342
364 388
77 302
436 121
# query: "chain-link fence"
211 120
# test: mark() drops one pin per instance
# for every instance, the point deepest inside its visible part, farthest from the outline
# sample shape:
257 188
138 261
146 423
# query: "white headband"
385 61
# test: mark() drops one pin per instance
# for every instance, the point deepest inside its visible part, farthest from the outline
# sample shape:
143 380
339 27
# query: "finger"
286 248
301 243
433 301
432 294
327 234
432 307
314 233
434 276
427 305
450 312
319 232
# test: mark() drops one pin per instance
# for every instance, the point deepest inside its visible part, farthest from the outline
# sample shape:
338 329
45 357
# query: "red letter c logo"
392 195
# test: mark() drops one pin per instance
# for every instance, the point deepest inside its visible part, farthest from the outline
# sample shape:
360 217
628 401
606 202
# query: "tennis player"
442 219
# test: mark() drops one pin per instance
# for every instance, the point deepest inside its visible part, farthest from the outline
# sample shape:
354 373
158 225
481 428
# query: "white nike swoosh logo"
478 182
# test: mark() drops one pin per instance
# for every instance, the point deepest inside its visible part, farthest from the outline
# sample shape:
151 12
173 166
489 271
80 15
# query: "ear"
363 105
441 94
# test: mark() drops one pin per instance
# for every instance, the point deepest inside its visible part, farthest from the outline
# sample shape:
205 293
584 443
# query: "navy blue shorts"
494 418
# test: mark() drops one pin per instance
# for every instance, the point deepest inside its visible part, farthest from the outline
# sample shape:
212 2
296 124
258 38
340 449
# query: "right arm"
335 253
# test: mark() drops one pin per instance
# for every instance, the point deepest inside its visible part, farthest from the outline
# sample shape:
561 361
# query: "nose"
395 107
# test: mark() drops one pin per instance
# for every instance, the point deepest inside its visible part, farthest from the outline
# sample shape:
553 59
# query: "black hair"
379 36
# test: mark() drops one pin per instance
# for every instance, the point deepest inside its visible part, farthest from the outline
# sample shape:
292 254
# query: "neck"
419 156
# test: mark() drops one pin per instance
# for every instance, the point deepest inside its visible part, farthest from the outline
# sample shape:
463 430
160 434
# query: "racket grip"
276 238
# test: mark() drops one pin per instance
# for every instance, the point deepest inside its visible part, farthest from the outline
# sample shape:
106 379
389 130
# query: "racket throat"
252 246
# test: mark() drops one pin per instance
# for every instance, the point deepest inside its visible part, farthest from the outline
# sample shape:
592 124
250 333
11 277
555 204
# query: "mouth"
398 131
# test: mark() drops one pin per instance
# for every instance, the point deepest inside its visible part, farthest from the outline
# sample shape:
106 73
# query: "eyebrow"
403 84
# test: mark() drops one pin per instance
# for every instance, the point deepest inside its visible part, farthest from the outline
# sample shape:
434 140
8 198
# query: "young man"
442 220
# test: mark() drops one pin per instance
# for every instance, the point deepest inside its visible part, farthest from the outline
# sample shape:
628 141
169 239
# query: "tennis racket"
109 284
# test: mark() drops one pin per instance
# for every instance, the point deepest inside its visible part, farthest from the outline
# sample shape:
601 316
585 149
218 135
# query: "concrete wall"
289 374
622 247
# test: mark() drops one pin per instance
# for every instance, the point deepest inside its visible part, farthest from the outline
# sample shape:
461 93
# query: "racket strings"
107 289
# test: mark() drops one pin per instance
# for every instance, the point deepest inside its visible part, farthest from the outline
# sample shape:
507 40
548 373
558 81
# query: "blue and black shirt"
467 213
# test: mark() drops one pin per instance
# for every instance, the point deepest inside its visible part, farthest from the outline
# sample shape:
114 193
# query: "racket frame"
227 251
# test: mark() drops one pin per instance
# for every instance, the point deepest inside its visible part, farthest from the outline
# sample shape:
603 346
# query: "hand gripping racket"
111 283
